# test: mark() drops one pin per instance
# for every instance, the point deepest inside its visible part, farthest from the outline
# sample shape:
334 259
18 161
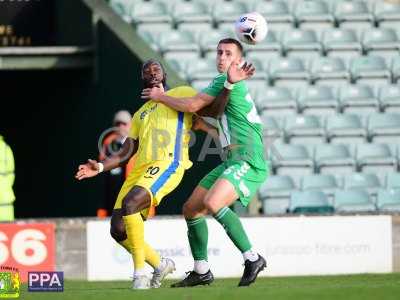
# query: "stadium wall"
85 250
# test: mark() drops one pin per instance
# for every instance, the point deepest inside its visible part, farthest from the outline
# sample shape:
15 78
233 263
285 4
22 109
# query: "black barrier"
27 23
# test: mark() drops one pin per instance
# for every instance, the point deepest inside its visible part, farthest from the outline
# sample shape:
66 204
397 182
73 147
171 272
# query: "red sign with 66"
27 247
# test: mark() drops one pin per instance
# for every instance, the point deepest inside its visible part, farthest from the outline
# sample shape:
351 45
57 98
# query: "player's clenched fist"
90 169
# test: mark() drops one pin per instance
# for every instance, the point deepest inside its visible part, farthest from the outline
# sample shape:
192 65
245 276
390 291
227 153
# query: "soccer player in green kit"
237 178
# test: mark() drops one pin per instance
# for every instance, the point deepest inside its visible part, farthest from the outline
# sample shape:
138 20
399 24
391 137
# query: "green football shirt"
240 124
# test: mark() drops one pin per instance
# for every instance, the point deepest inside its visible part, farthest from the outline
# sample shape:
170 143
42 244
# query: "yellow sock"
151 256
135 232
126 245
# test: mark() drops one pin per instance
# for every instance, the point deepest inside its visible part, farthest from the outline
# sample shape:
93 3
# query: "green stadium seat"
376 158
197 29
387 14
313 14
396 69
392 180
292 160
276 13
274 206
193 13
277 101
310 202
226 14
329 71
288 72
179 45
275 194
388 200
260 73
122 8
341 43
370 69
317 100
208 3
383 42
269 48
358 99
324 183
256 87
353 201
201 69
334 159
304 129
389 98
168 3
179 66
301 43
271 129
150 38
364 181
345 128
353 14
384 128
150 15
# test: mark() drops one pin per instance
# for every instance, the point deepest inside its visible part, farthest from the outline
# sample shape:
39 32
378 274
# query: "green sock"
233 227
198 237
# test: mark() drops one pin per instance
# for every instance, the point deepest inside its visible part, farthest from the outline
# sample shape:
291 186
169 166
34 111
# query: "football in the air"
251 28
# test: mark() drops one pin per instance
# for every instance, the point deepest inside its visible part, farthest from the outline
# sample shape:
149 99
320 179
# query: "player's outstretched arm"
93 168
185 104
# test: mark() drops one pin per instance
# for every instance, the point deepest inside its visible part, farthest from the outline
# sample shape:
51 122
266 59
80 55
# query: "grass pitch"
365 287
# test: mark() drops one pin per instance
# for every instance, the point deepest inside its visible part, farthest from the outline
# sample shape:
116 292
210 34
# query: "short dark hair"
232 41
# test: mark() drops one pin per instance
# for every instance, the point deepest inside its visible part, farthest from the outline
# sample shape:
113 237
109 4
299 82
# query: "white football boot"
141 282
167 267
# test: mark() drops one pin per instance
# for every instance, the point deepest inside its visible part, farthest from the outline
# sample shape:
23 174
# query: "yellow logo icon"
9 284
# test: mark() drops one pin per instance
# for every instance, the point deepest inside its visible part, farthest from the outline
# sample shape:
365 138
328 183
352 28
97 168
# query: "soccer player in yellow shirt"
159 136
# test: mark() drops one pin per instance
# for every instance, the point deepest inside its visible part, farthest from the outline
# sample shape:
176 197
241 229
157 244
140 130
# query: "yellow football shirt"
163 133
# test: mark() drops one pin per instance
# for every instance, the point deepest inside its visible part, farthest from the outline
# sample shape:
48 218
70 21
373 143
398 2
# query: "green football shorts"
244 177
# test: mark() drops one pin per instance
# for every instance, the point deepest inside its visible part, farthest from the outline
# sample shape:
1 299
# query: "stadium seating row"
303 159
295 71
356 192
336 129
330 183
360 99
345 201
345 43
280 14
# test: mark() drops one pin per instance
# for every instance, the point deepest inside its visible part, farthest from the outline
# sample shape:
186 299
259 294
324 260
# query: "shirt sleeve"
135 126
216 86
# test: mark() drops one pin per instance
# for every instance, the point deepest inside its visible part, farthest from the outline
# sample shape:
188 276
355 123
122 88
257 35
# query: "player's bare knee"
132 204
188 210
212 204
118 232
